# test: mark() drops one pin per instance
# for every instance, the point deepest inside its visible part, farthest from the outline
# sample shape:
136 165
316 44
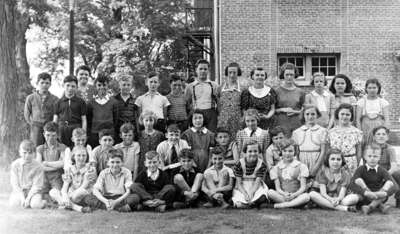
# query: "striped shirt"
177 109
250 167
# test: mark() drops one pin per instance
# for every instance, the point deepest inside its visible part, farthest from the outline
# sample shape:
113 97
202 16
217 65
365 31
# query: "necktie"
253 132
174 155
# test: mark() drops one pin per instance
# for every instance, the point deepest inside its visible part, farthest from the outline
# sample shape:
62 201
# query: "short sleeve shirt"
70 109
153 102
250 167
345 139
333 182
216 174
292 171
111 185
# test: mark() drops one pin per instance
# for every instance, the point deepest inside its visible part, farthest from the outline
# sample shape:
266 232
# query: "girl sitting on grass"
289 176
78 181
333 180
250 190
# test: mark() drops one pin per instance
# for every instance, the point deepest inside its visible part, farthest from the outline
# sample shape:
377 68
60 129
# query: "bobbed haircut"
376 129
251 142
258 69
202 61
76 149
251 113
28 145
302 118
318 74
147 114
69 79
276 130
288 66
44 76
84 68
239 71
287 142
373 81
197 112
50 127
328 155
349 85
344 106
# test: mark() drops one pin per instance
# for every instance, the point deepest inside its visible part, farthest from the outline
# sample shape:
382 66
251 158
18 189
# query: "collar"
257 132
331 176
369 167
282 165
46 146
103 100
324 94
153 175
259 93
313 128
119 96
83 170
151 94
203 130
197 81
170 144
64 98
214 169
237 88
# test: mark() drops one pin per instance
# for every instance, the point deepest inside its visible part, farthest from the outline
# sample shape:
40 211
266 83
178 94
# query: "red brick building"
356 37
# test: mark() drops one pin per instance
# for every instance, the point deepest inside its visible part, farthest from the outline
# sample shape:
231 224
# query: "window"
308 64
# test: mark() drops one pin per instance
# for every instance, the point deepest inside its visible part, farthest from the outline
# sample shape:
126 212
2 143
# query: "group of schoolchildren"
94 150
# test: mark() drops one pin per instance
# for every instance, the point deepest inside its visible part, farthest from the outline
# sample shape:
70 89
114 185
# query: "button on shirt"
111 185
200 94
130 153
70 109
39 107
28 176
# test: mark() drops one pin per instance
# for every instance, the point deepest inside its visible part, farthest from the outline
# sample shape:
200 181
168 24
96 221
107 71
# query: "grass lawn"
191 221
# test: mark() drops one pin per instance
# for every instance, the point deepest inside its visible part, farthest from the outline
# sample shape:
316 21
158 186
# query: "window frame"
307 65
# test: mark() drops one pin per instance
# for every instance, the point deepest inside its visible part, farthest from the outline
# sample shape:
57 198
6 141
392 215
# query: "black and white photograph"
199 116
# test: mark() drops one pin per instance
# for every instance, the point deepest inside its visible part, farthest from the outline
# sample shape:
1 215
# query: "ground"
191 221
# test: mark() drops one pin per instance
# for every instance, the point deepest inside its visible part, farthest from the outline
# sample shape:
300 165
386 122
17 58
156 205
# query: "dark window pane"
332 62
299 62
324 70
301 73
323 61
314 70
282 61
314 62
331 71
291 60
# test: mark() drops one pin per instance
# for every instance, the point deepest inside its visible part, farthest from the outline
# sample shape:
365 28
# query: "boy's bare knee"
178 178
37 202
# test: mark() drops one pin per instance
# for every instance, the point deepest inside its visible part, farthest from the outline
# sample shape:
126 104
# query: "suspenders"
213 97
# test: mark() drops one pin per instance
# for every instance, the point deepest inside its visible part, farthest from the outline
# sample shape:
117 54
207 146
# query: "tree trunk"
8 82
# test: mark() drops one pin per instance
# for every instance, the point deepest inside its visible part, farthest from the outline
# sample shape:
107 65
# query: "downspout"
217 40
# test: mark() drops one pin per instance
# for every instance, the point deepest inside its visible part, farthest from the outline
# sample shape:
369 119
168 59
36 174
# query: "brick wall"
364 32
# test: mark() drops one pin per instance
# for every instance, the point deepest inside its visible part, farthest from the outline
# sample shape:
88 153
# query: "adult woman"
260 97
229 112
290 100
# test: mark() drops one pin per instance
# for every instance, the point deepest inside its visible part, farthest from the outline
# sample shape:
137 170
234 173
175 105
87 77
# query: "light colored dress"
248 180
371 114
325 104
310 140
229 112
346 140
289 175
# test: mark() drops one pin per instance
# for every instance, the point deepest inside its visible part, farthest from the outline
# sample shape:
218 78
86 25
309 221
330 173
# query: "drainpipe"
217 40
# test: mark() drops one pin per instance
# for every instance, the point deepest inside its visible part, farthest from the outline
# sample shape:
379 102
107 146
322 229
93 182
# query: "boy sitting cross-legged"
153 186
112 188
218 180
187 179
26 178
372 183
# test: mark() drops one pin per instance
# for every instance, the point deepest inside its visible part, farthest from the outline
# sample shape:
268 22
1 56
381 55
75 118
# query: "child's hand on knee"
370 195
